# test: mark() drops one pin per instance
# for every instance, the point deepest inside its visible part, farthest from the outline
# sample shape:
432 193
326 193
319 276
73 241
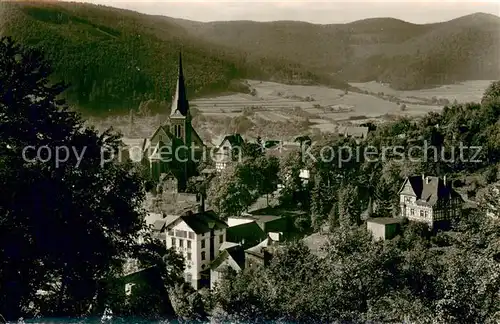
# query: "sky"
322 12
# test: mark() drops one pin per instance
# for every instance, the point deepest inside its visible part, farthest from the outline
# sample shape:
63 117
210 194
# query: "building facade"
198 238
429 200
226 149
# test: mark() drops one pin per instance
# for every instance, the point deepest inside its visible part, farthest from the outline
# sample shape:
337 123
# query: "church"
173 150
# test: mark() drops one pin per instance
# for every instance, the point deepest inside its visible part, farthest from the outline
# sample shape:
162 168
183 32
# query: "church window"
178 130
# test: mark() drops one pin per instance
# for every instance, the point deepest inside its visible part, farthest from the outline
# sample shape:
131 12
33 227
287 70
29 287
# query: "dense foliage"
420 276
407 279
66 225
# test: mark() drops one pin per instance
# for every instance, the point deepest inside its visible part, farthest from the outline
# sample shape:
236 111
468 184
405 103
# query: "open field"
468 91
277 110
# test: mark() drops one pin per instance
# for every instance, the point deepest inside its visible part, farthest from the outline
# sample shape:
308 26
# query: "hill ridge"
116 58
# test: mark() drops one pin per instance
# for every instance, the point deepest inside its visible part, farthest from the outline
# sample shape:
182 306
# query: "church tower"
181 128
180 117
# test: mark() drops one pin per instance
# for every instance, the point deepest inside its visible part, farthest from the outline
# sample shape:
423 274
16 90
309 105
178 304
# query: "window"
181 243
171 232
180 233
173 241
426 214
221 238
188 244
189 277
421 213
191 235
412 212
203 256
203 243
188 257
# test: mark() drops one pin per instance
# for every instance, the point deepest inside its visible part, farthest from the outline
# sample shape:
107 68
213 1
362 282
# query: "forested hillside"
117 58
406 55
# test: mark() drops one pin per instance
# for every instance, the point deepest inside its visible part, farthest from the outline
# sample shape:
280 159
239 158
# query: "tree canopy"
68 218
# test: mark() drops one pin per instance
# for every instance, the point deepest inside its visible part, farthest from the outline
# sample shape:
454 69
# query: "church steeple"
180 104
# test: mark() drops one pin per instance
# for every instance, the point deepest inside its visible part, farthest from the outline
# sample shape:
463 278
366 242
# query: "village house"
231 258
430 200
229 145
261 254
198 237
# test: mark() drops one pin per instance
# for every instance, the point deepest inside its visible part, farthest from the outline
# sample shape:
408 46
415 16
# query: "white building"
198 238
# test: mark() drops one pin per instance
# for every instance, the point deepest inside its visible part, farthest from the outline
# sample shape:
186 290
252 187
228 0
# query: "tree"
322 200
492 94
229 192
349 206
293 192
267 169
69 223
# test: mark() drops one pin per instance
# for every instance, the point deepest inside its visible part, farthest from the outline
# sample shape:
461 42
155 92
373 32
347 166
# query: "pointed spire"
180 105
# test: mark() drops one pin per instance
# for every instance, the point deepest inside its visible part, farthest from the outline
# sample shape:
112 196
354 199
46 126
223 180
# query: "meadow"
275 110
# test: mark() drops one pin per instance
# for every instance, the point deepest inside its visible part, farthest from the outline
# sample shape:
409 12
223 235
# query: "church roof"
180 104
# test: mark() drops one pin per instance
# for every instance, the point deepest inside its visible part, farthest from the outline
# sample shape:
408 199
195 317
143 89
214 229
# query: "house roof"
246 234
201 222
159 224
169 219
151 218
226 245
357 131
259 248
258 218
429 190
234 140
385 220
236 253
